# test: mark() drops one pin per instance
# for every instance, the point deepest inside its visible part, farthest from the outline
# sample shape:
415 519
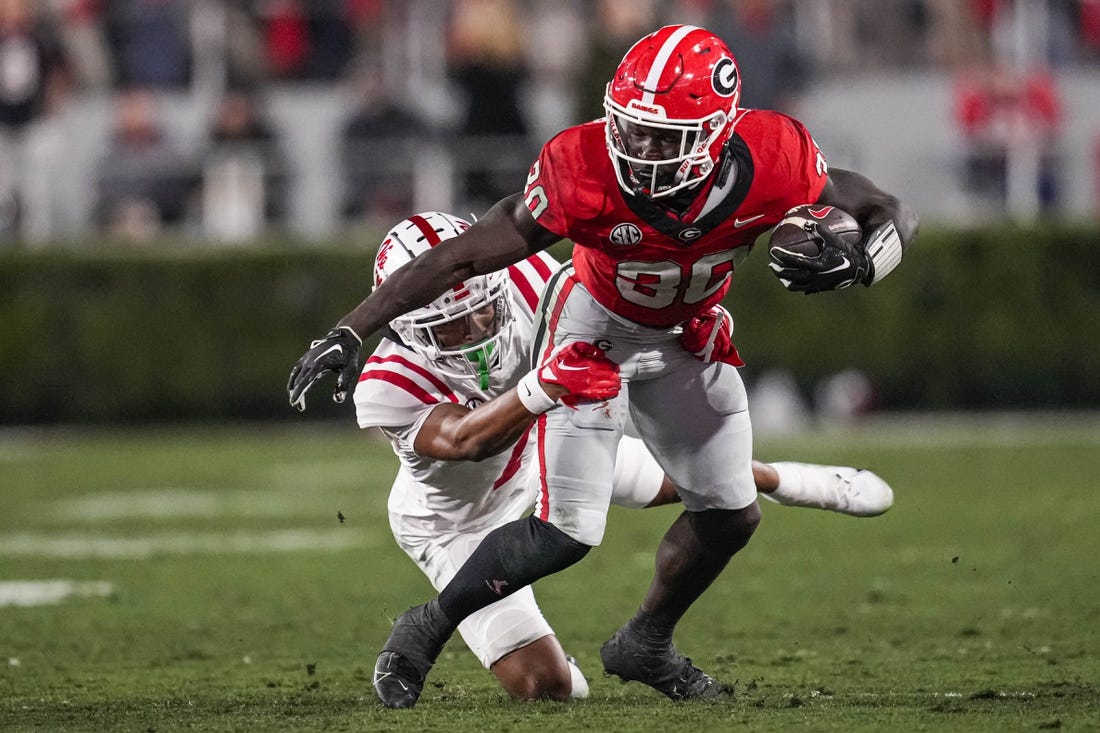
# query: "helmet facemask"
462 330
691 162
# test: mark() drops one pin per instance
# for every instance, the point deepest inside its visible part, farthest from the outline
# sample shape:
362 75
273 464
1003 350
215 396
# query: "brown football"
798 230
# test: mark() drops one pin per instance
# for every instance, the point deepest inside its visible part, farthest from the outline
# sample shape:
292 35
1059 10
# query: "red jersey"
654 266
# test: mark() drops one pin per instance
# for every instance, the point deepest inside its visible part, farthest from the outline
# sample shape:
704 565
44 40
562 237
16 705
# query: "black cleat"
396 681
665 670
417 637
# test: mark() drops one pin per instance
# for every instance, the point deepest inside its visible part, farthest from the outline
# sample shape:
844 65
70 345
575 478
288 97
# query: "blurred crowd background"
223 120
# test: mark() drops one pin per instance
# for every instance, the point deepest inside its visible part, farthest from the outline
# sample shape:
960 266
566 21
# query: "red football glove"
709 337
583 370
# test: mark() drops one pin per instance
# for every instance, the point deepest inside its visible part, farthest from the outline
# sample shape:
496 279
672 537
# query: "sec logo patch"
626 234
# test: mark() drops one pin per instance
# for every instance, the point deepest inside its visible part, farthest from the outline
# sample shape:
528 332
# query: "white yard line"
25 593
85 546
187 503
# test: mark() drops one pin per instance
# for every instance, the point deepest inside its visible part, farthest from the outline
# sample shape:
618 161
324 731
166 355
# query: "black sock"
509 558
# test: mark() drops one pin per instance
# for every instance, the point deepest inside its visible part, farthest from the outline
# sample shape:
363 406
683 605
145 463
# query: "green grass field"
209 585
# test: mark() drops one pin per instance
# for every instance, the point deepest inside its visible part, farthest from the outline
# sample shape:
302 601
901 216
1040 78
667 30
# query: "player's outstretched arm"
505 235
575 374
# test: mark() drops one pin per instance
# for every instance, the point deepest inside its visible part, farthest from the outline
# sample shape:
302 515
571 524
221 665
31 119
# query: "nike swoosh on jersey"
738 222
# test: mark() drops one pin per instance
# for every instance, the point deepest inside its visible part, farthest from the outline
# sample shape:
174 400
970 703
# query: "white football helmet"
683 83
461 330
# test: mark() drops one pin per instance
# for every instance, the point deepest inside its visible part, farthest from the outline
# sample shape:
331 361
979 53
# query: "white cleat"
843 489
580 684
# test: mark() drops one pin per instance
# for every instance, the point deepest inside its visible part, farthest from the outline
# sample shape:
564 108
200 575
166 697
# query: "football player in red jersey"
662 200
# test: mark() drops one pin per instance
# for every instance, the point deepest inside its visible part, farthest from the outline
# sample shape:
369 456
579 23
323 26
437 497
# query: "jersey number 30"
656 284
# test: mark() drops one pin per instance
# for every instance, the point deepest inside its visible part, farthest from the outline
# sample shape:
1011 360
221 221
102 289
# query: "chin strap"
481 360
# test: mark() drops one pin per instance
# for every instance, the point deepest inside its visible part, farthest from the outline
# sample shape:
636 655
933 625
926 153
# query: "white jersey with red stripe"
398 389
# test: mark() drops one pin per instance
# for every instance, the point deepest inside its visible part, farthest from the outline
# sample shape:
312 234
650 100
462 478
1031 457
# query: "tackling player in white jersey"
464 471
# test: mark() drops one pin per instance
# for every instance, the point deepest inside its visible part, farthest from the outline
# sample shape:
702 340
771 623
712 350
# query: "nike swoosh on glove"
585 371
709 337
839 265
337 352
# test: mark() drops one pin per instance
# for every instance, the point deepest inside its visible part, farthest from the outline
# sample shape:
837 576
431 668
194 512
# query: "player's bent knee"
726 531
565 542
539 686
538 671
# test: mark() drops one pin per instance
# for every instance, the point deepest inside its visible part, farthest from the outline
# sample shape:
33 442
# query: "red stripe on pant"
551 325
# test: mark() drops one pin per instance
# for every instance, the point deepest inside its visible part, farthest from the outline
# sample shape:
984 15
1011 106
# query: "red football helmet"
680 84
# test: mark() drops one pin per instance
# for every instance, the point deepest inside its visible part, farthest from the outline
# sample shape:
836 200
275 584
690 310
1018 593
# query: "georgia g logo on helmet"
724 77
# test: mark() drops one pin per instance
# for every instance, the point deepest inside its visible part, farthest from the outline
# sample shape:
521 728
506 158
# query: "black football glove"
337 352
840 264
